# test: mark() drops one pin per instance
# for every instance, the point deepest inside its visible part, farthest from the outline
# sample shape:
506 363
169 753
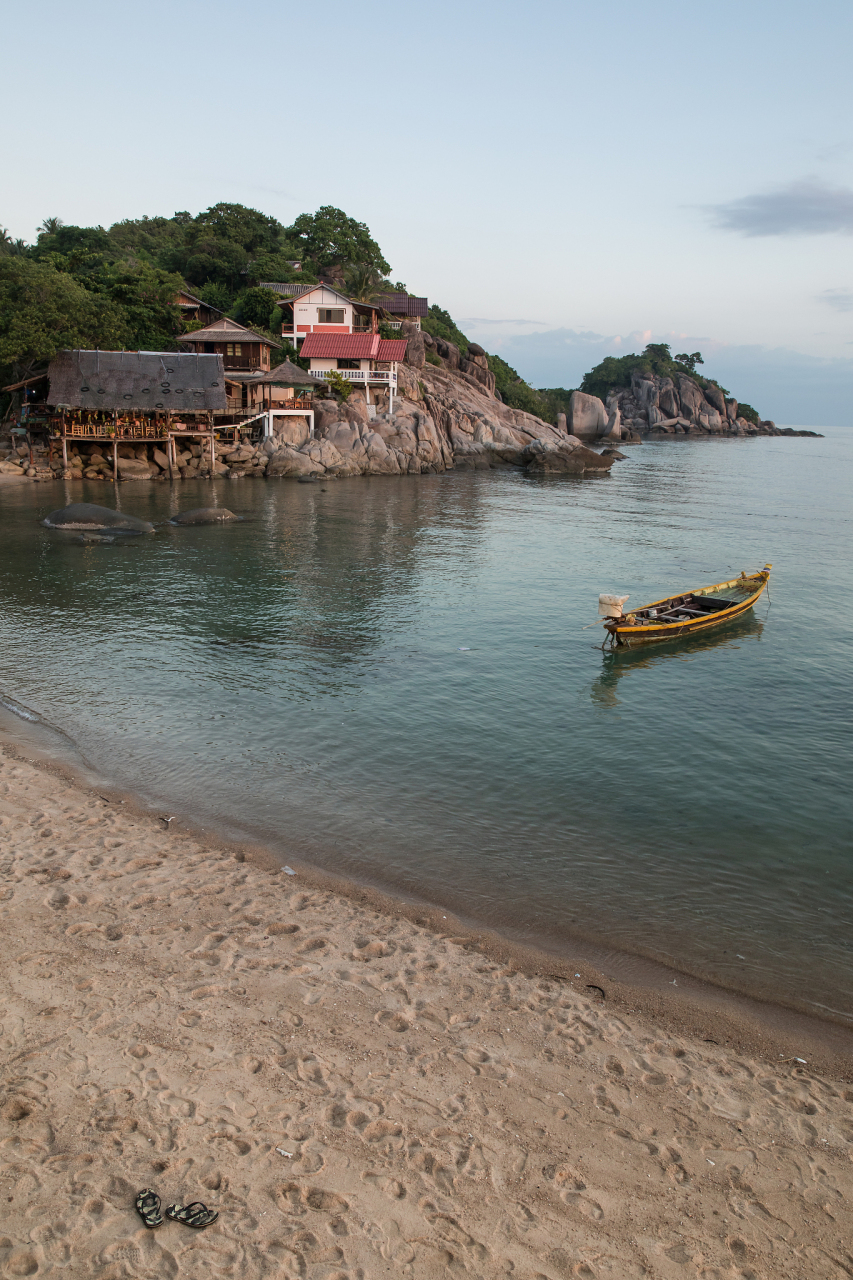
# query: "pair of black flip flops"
147 1205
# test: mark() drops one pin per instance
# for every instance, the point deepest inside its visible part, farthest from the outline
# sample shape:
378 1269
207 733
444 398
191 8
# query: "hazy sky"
672 171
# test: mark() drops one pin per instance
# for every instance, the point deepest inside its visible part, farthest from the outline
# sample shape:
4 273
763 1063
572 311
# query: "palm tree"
363 283
50 226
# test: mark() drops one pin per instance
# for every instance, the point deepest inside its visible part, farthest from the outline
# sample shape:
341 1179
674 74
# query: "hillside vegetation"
115 289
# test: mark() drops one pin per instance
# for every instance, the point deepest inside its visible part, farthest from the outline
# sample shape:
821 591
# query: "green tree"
146 297
690 361
342 387
363 283
330 238
43 310
251 230
254 308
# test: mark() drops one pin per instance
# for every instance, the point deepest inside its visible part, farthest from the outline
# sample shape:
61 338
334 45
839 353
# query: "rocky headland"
446 415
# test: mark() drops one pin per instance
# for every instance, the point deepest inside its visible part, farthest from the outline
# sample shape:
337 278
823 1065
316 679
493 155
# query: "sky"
568 180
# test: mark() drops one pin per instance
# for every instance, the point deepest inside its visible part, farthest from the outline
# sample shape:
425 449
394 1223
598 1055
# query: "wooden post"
64 447
115 460
212 467
170 444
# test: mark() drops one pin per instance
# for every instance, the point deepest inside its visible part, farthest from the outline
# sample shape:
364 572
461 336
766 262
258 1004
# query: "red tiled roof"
392 349
342 346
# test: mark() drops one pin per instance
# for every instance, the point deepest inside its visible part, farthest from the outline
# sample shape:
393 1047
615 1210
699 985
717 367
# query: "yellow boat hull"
633 629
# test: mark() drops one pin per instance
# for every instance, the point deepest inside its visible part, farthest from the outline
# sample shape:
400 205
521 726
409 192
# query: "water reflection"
618 663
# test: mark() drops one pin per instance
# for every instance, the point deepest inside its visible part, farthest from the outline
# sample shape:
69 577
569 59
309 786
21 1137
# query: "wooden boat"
685 614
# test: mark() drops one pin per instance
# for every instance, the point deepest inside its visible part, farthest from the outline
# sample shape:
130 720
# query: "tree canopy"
116 287
328 238
43 310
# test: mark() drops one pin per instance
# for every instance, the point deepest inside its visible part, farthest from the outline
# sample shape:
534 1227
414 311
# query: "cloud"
838 299
806 207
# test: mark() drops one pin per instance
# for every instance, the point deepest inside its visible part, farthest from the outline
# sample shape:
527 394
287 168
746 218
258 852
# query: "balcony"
365 377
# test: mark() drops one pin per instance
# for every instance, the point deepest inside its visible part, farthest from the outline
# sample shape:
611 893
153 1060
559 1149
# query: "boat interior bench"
692 607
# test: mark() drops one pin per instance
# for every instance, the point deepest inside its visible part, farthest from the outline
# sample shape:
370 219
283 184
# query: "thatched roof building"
116 381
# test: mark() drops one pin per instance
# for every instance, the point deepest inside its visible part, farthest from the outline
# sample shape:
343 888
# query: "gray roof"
403 304
122 380
288 290
227 330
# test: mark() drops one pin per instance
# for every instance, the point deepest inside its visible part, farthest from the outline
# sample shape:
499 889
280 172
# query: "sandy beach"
361 1093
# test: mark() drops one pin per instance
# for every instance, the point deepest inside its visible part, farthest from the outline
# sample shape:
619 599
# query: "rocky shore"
443 417
446 415
655 407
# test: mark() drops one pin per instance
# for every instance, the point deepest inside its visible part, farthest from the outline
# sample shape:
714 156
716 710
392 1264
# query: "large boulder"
290 462
241 454
568 457
715 397
135 469
293 431
86 515
205 515
416 350
449 353
587 416
668 399
693 403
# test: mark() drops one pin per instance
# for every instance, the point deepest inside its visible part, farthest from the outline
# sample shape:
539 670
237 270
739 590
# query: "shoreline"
356 1088
676 998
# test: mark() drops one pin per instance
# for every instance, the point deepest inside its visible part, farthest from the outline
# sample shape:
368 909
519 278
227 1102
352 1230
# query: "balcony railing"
385 377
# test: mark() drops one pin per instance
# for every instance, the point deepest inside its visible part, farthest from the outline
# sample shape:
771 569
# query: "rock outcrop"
587 417
657 406
86 515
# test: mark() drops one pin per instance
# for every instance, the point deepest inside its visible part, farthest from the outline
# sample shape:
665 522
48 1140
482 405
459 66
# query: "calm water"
391 677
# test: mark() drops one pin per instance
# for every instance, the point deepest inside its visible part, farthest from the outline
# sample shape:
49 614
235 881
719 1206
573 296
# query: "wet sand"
362 1088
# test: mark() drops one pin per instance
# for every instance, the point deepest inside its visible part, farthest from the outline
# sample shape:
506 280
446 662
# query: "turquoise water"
391 678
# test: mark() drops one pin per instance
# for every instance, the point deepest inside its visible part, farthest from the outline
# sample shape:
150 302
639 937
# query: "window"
348 364
233 349
330 315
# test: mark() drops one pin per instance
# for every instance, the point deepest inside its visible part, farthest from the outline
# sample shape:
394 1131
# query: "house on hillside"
320 308
362 358
403 306
193 310
243 352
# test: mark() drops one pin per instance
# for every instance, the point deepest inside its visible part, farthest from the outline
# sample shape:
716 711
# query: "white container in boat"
610 606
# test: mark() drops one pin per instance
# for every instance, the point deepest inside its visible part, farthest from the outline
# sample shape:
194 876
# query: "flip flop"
192 1215
147 1205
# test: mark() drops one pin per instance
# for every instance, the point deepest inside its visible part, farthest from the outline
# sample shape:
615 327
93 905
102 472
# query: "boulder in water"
86 515
205 515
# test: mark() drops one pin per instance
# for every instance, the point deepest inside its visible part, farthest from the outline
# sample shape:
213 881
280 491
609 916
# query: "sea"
401 680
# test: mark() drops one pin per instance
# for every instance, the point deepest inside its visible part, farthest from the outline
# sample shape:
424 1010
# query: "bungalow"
362 358
240 348
284 390
193 310
403 305
320 308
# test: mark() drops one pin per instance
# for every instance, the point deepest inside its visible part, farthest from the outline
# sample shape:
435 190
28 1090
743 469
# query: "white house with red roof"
362 358
320 308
